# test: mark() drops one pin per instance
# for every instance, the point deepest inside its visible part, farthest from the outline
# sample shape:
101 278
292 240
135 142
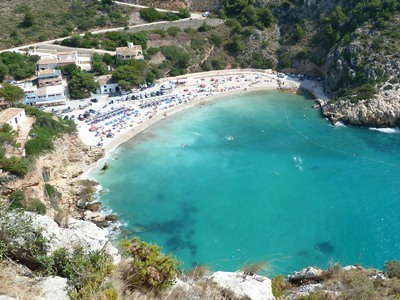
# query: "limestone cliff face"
383 111
369 59
60 168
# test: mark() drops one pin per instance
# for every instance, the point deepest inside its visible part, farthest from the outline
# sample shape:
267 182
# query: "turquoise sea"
259 177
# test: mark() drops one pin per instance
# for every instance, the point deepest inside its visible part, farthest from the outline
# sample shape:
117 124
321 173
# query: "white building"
106 86
130 52
12 116
46 95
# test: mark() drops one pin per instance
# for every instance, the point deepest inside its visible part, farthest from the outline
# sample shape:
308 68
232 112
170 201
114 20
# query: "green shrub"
16 199
36 206
44 131
206 65
392 269
16 166
17 227
173 31
265 44
216 40
218 63
149 269
360 286
278 286
197 43
204 27
149 14
184 13
190 30
159 32
86 272
153 51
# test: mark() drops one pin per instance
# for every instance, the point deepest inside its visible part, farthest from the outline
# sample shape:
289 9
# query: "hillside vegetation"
26 21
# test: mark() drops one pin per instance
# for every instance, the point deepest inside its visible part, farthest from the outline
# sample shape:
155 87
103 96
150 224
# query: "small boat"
316 106
230 138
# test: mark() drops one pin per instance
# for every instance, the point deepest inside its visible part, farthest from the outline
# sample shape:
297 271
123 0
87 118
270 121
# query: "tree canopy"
19 66
132 73
81 84
11 93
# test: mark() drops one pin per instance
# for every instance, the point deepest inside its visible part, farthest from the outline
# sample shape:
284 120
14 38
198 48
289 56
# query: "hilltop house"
12 116
130 52
67 57
62 59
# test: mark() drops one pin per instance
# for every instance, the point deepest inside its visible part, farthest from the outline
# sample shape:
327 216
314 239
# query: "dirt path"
204 59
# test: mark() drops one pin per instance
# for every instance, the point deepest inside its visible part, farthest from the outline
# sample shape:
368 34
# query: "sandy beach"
115 123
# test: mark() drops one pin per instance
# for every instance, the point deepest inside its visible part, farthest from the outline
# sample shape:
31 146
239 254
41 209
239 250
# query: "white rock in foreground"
53 287
255 287
79 233
306 273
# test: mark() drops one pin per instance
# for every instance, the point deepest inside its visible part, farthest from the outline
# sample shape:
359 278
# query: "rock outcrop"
377 112
254 287
309 273
78 233
18 282
51 288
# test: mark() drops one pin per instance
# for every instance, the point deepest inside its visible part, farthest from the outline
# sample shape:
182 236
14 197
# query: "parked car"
65 110
94 100
42 107
72 117
65 118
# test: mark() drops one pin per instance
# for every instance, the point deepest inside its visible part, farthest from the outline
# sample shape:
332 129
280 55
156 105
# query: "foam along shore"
118 122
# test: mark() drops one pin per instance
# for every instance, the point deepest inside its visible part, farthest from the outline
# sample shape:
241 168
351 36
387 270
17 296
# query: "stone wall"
193 5
181 24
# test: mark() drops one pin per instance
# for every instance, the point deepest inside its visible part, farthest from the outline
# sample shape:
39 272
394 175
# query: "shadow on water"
324 247
180 228
160 197
302 253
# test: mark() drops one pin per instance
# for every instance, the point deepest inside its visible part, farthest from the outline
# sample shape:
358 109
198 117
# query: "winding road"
194 17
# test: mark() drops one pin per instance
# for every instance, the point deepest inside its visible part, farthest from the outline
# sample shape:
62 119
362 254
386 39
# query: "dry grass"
14 282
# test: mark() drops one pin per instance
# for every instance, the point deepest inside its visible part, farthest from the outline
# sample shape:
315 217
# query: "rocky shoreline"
379 112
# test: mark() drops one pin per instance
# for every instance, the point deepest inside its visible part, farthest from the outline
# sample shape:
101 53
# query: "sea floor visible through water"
259 177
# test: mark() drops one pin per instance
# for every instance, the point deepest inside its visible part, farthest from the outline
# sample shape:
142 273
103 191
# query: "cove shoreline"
269 80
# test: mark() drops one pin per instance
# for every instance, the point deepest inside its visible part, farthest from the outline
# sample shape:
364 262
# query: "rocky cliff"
364 75
59 168
351 44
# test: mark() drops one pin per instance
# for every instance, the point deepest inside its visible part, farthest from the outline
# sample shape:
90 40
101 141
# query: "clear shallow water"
289 189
